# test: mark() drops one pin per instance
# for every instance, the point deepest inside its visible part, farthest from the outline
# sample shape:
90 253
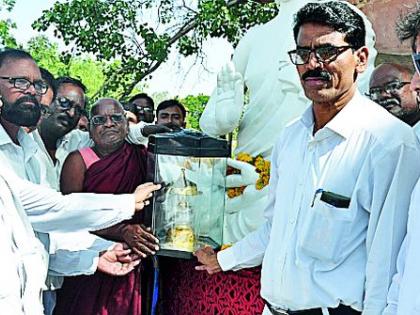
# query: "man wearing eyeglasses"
403 295
340 185
389 86
143 107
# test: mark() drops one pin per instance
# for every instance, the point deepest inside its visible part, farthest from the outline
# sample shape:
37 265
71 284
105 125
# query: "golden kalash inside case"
188 211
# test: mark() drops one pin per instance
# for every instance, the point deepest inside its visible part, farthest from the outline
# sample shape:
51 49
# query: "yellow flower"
259 163
244 157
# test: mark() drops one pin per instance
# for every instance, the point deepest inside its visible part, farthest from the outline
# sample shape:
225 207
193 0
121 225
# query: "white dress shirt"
24 262
404 294
416 128
314 254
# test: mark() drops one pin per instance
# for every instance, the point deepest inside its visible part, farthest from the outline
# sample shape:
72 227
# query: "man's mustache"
385 102
28 99
317 73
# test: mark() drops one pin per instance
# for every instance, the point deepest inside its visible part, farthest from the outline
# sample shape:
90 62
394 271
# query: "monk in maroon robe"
111 166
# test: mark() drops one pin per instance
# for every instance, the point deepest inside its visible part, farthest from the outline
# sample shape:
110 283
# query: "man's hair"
408 26
93 109
68 80
49 78
142 95
170 103
11 53
337 15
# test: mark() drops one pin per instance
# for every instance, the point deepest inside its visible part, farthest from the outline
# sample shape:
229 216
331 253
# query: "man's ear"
362 55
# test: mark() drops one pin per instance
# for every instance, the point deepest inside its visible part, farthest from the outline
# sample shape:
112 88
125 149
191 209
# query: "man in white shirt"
340 183
18 151
24 263
403 295
389 86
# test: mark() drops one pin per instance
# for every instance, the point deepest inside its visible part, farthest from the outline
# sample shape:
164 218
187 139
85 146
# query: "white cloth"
404 294
275 98
317 255
24 264
416 129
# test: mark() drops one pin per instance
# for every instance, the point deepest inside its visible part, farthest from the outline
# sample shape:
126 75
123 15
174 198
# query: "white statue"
261 65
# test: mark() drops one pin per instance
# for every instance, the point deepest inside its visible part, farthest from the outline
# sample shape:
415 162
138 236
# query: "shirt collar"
341 124
4 137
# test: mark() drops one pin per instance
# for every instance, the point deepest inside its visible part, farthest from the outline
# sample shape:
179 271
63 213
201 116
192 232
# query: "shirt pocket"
325 231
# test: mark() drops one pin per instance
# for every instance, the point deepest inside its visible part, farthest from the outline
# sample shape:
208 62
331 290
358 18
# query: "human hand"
248 175
154 129
131 117
140 239
144 192
117 261
208 258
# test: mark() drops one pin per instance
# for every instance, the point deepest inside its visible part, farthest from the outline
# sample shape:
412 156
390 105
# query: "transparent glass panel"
188 211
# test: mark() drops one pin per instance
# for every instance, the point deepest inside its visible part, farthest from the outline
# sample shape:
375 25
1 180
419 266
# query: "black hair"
11 53
68 80
49 78
408 26
335 14
142 95
170 103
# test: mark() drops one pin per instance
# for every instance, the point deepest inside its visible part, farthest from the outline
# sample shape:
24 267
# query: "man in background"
389 86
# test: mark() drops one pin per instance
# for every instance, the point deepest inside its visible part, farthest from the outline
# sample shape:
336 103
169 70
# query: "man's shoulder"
385 127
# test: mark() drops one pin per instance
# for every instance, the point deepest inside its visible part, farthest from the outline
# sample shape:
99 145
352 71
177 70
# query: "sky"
178 76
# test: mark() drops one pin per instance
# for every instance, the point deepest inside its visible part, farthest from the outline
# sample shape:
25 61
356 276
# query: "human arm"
249 251
50 211
117 261
394 289
395 171
72 174
139 238
139 133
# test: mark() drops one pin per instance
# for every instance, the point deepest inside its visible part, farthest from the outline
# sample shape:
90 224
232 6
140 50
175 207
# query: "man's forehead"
314 34
105 107
72 92
142 102
20 67
389 73
171 110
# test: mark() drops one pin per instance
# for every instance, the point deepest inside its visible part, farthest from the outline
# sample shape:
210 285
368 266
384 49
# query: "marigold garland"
262 167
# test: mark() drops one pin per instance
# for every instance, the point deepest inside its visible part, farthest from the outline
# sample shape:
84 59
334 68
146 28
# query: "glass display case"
188 211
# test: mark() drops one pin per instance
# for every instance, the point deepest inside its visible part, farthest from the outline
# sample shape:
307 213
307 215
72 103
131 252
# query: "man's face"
171 115
20 105
327 82
108 126
389 86
143 110
66 109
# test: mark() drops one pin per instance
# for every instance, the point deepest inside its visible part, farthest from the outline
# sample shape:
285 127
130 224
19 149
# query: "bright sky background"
178 76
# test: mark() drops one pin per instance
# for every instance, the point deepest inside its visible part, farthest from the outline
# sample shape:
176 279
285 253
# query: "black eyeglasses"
64 104
102 119
145 109
23 84
416 61
325 54
45 110
390 88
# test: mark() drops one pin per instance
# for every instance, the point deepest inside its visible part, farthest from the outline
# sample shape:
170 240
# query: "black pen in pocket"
318 191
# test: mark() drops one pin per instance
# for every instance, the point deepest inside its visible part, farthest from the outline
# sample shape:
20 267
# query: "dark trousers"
340 310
